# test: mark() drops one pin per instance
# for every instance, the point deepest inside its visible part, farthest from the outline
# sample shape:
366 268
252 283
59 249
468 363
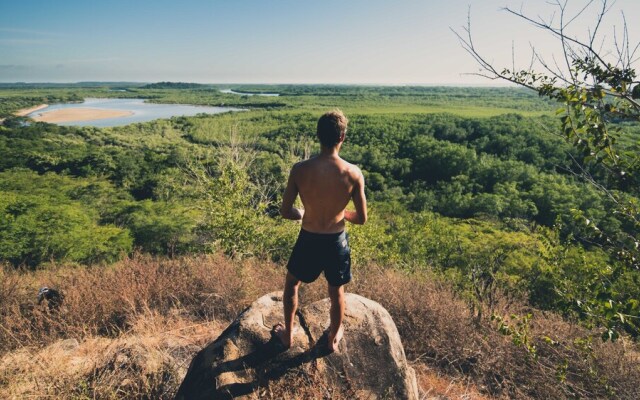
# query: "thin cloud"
20 42
13 67
91 60
80 63
32 32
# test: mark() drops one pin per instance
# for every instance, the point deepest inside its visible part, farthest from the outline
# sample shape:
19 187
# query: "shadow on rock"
246 356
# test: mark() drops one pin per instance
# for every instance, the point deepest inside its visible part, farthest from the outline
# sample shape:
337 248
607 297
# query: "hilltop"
480 240
131 330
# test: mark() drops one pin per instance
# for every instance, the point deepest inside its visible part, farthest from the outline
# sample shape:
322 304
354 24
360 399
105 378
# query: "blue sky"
278 41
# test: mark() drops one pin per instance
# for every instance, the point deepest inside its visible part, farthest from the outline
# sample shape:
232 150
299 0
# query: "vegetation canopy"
599 90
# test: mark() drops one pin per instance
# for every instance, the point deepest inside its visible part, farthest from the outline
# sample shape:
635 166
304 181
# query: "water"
142 112
229 91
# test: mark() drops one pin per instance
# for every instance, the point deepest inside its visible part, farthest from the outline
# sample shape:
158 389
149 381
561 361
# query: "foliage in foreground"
597 86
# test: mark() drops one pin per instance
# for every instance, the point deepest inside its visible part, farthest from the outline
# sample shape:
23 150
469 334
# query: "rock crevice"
303 325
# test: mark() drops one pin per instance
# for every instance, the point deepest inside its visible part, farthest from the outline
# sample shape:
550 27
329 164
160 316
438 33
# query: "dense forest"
474 184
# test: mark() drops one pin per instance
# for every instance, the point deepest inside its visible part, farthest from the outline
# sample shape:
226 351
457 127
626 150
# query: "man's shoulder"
352 169
314 162
301 168
300 165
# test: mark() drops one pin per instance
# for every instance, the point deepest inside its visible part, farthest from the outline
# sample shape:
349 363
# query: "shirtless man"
326 183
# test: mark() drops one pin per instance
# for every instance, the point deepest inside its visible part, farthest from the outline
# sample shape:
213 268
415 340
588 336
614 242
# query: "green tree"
34 231
598 89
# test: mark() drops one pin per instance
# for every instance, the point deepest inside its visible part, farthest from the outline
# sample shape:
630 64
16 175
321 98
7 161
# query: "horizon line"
447 84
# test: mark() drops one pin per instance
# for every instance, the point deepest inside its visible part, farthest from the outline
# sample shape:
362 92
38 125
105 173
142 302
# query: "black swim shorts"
314 253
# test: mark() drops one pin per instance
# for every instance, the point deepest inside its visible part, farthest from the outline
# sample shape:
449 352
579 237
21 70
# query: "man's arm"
287 210
359 201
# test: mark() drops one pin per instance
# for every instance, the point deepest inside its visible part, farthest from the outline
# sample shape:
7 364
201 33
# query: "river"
130 111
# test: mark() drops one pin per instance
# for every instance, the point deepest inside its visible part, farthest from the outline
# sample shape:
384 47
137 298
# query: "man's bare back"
326 183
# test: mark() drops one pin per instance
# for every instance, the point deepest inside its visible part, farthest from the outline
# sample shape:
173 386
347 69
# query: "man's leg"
290 300
336 329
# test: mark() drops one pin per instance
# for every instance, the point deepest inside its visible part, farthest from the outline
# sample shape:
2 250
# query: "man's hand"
292 213
287 210
352 217
359 216
295 214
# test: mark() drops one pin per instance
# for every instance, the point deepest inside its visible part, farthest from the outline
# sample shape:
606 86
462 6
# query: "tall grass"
130 331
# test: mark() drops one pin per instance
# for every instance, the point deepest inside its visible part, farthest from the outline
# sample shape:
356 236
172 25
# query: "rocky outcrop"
370 362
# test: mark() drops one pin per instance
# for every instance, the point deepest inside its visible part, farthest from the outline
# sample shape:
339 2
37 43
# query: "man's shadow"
270 362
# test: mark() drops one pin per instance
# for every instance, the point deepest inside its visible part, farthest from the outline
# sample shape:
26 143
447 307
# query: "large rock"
370 362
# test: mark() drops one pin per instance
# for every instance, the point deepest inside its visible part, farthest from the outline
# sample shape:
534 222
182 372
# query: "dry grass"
107 301
146 363
438 329
130 331
436 385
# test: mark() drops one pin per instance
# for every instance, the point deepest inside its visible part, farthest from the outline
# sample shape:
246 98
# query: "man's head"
332 127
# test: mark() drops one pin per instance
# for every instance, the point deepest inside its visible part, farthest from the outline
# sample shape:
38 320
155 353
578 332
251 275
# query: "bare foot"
281 333
333 342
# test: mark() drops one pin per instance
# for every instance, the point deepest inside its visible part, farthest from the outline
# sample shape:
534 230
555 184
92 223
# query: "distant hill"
173 85
53 85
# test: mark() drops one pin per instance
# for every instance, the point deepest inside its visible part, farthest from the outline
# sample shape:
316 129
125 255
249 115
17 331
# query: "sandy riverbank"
79 114
25 111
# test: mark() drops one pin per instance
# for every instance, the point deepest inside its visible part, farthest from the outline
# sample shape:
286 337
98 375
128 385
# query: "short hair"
331 126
